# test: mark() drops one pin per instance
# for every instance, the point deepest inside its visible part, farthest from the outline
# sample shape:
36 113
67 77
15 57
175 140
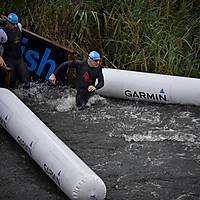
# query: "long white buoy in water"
62 165
151 87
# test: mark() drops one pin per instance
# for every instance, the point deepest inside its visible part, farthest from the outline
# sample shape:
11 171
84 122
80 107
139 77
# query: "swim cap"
12 18
93 55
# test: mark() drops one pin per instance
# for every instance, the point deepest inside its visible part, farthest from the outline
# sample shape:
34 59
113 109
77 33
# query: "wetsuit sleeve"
0 19
20 26
3 36
100 83
62 68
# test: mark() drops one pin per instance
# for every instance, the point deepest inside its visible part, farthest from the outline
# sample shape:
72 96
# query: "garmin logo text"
50 173
145 95
25 146
33 57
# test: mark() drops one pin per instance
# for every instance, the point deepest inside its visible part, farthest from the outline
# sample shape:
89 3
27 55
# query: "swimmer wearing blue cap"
86 74
11 55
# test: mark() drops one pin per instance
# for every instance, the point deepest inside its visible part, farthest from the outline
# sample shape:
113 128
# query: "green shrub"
160 36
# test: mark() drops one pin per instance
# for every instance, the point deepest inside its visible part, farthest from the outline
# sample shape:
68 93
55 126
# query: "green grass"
161 36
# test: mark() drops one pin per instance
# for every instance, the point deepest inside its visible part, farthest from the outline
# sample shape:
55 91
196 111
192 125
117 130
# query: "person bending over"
86 74
10 39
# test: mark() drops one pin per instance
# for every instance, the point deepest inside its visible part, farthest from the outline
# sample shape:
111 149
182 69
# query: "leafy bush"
160 36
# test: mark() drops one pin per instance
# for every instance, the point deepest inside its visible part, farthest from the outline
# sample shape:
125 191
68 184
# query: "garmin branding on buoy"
157 88
58 161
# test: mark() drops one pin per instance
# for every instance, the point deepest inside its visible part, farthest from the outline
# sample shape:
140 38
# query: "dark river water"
140 150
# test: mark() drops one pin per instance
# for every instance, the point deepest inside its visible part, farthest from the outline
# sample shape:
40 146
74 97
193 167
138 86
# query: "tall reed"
160 36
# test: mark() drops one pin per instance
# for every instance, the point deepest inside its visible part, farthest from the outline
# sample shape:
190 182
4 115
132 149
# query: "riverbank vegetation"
159 36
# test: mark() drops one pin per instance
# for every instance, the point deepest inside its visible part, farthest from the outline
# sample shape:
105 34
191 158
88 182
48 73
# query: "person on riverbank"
3 20
86 74
10 39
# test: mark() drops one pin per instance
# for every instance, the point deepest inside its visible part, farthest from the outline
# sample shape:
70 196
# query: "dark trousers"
82 96
19 71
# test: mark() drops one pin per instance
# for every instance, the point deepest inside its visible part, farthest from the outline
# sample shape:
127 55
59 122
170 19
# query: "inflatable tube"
63 166
150 87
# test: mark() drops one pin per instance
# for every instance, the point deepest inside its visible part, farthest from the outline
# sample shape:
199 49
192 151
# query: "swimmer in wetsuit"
10 39
86 74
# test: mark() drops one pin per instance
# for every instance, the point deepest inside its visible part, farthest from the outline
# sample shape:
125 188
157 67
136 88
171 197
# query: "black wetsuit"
85 76
13 57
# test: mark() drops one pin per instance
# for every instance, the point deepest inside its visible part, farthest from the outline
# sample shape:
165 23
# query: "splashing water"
61 99
141 150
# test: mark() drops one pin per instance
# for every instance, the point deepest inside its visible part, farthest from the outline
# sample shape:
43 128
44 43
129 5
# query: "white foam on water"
68 101
157 136
133 123
148 124
96 99
36 93
64 104
96 118
61 99
186 196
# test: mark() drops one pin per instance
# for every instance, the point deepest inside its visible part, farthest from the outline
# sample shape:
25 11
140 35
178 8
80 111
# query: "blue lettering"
32 56
44 61
31 60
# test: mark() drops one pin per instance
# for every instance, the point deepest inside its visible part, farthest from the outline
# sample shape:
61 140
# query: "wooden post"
7 71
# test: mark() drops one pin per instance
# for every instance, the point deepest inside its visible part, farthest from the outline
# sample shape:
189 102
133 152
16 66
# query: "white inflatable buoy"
150 87
62 165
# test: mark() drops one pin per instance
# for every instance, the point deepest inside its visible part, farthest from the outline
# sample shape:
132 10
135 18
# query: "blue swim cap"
93 55
12 18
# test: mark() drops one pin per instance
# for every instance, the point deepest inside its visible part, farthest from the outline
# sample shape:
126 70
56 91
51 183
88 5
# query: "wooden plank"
6 73
42 56
49 41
